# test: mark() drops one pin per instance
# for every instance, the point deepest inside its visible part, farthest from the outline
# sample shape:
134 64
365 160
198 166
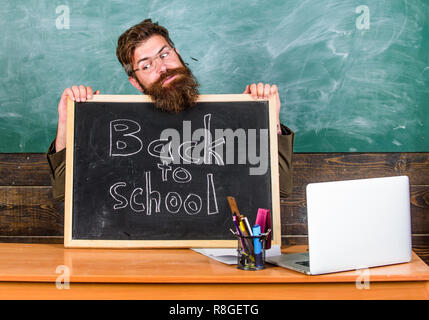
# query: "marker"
263 218
243 229
257 246
243 243
249 243
248 226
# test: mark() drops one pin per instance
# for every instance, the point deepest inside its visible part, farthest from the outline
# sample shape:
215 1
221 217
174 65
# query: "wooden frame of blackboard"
68 214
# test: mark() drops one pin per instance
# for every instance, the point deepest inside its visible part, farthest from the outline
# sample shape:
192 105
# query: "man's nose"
160 65
162 68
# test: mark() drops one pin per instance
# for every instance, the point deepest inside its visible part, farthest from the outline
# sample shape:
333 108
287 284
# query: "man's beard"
177 95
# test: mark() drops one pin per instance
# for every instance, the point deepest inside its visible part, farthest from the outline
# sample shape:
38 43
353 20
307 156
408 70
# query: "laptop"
354 224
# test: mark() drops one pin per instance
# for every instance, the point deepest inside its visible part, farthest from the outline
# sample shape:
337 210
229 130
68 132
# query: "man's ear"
135 83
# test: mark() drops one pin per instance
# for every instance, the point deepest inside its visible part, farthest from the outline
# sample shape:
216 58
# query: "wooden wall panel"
321 167
29 211
294 211
24 169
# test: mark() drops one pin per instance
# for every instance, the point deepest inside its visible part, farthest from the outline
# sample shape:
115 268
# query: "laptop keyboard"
304 263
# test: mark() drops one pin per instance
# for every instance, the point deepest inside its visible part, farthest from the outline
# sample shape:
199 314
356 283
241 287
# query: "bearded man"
155 67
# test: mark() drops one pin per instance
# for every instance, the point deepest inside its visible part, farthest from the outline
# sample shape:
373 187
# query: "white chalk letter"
123 141
120 198
136 206
173 202
151 195
192 204
212 207
181 175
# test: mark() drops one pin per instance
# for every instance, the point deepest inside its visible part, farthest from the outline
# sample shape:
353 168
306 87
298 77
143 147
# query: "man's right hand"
78 94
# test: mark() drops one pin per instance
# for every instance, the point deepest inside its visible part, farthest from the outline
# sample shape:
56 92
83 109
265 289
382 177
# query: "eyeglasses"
148 65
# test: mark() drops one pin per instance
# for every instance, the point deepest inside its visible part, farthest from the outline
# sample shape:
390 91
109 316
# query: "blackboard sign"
140 177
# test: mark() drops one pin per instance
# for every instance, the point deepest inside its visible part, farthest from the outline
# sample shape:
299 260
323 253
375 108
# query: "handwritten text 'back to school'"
176 154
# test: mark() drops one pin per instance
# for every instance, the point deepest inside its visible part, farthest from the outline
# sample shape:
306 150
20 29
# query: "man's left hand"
265 91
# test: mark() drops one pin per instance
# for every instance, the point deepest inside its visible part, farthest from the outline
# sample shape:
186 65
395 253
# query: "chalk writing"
147 200
193 147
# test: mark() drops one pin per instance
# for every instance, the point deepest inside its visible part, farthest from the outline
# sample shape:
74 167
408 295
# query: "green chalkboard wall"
353 75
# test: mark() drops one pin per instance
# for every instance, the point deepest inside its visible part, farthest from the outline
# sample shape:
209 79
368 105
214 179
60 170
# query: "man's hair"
133 37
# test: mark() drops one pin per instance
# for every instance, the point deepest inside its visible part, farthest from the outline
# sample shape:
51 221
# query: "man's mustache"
178 94
172 72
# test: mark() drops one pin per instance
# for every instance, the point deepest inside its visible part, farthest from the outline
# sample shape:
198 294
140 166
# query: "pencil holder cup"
251 252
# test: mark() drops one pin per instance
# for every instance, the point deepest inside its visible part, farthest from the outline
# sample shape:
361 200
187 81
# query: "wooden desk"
28 271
